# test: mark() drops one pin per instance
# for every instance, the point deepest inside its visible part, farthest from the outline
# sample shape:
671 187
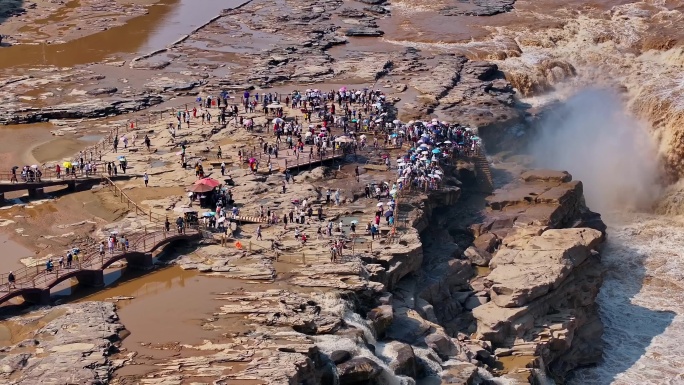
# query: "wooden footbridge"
15 182
34 283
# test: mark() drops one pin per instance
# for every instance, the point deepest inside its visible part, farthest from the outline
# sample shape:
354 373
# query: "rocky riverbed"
471 287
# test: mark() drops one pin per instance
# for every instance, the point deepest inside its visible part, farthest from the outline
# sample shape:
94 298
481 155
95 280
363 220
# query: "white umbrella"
401 179
363 136
396 121
378 120
439 172
277 120
447 142
221 220
380 204
424 152
410 122
393 191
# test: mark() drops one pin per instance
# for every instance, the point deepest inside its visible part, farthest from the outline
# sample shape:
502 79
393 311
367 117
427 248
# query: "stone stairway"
484 181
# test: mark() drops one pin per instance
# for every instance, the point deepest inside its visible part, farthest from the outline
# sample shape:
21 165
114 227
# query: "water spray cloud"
594 138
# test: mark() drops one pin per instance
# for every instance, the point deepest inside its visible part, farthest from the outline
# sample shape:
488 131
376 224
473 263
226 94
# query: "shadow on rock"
9 8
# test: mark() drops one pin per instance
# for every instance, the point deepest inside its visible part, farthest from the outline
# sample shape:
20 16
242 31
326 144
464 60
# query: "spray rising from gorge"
593 138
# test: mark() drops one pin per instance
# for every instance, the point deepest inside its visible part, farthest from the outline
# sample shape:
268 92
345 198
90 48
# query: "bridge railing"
117 191
38 277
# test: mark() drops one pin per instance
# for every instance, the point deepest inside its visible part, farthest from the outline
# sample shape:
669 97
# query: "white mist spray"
593 137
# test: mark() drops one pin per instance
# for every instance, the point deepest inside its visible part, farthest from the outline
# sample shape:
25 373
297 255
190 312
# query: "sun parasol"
208 182
277 120
436 151
343 89
66 164
389 213
209 214
380 204
200 188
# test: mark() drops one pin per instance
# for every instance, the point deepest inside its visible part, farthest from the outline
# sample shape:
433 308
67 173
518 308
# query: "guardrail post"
303 258
250 247
144 236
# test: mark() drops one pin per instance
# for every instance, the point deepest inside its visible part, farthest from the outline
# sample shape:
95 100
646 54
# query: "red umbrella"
208 182
200 188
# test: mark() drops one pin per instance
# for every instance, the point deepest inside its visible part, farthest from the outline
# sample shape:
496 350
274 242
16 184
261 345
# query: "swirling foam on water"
641 303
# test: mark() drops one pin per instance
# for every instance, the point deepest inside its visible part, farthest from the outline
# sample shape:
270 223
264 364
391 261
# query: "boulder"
381 318
441 344
459 373
487 242
340 356
404 361
477 256
357 370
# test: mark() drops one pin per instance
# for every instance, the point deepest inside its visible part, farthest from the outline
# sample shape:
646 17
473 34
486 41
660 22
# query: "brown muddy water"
164 23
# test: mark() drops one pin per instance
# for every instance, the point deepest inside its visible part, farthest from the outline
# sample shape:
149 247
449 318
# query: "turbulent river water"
641 302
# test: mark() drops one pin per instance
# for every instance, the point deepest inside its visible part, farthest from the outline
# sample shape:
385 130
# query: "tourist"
258 233
179 225
10 280
146 178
